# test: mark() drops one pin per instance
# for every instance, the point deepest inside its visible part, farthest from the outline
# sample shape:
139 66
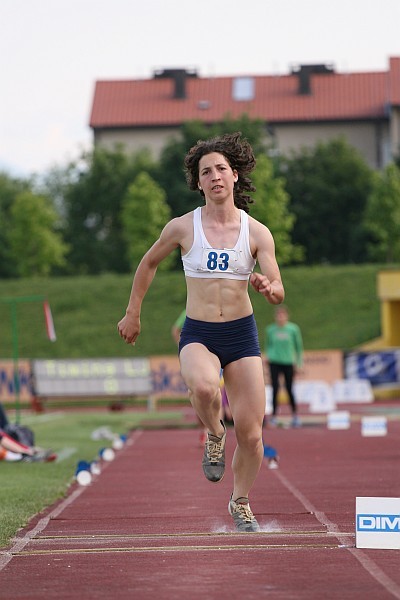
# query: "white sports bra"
207 262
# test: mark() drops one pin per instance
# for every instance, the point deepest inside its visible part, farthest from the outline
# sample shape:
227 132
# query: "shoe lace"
214 450
244 512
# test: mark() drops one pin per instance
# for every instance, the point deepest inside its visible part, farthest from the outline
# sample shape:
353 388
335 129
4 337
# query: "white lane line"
367 563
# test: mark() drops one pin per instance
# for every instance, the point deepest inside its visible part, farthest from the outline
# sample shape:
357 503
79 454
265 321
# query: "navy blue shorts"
229 341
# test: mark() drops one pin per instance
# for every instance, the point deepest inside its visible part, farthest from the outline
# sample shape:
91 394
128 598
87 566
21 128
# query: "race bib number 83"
218 260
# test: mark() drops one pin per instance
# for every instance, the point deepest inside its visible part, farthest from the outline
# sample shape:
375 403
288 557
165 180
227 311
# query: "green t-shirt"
180 320
284 345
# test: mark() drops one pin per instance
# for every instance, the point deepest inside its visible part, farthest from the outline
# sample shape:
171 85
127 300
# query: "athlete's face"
216 177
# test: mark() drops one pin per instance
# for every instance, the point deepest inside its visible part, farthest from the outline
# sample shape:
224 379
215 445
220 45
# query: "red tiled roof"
394 82
334 96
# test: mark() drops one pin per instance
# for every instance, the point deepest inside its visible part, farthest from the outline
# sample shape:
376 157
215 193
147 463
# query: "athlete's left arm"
269 281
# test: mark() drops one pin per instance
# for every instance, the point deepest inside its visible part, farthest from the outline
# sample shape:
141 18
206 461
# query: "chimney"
304 73
179 77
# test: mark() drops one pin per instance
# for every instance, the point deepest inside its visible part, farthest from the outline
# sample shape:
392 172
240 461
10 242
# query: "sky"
53 51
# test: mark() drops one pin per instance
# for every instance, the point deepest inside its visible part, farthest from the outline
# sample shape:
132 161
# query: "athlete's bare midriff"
217 300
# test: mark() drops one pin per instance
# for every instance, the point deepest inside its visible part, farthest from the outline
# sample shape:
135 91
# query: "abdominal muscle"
217 300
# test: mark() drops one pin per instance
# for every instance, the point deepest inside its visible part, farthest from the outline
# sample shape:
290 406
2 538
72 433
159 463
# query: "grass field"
336 307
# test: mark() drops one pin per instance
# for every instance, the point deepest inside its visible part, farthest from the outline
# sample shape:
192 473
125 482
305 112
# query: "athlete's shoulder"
260 236
257 226
178 229
180 223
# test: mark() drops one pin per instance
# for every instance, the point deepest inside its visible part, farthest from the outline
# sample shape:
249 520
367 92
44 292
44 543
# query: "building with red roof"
311 103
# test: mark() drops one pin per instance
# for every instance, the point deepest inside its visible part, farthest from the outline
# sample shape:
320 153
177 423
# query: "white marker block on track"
373 426
338 419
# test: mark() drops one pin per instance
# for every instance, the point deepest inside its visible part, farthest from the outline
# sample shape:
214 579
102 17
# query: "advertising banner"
166 378
381 368
378 523
92 377
7 384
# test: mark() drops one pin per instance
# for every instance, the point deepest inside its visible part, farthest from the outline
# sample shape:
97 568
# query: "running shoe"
214 457
296 421
244 519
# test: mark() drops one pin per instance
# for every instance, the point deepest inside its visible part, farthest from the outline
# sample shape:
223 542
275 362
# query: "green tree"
382 216
144 213
9 190
92 202
328 187
271 207
35 247
253 130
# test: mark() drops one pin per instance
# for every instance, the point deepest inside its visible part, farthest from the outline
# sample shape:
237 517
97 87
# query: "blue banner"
380 368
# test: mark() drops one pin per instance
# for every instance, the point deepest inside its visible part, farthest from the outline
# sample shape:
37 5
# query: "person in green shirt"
284 352
177 326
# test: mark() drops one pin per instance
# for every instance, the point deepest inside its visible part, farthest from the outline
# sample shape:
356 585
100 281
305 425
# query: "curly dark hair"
240 157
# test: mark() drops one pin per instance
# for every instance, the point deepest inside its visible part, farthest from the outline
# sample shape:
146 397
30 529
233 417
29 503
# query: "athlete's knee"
249 438
206 391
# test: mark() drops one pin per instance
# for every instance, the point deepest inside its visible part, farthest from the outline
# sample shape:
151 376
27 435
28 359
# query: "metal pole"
13 304
15 359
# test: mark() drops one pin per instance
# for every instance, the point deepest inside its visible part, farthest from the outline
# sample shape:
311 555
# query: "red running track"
150 526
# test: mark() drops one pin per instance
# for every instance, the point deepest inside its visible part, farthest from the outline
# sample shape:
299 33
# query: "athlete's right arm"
169 240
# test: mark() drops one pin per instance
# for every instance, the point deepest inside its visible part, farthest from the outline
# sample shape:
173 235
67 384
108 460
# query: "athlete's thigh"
244 382
198 364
